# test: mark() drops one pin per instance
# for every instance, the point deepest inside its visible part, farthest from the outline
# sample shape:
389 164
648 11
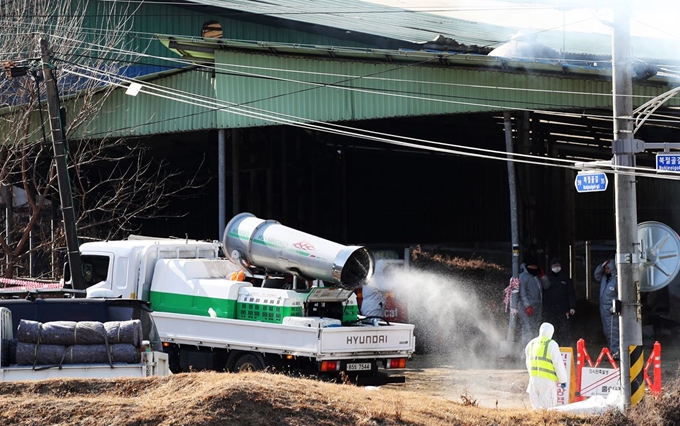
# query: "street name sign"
668 162
591 182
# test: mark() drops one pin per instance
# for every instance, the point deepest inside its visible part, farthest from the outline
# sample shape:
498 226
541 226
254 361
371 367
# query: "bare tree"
114 182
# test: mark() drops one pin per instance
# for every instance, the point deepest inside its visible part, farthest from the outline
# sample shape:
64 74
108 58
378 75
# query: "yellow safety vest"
540 360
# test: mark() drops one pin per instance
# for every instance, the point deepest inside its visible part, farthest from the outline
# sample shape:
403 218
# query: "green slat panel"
144 114
316 89
304 89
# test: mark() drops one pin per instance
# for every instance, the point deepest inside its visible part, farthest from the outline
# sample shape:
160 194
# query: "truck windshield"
95 269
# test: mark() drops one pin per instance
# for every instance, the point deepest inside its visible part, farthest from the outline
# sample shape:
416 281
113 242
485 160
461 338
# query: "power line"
227 69
286 119
222 69
265 117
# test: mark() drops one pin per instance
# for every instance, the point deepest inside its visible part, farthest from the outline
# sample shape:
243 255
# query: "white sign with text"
563 394
599 381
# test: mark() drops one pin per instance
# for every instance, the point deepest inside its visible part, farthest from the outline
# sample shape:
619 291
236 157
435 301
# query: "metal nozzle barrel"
268 244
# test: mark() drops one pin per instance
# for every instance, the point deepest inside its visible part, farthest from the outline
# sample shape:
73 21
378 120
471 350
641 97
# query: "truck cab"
125 268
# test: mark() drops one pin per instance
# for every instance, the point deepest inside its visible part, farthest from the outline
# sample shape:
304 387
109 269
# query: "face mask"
556 269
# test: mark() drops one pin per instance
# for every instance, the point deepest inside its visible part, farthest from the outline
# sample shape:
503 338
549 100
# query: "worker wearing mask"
559 301
545 367
530 298
605 273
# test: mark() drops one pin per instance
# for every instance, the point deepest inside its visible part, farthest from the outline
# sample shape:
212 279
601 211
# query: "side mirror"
66 273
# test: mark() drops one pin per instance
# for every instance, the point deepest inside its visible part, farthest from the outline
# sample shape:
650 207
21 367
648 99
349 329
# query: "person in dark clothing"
606 274
559 301
531 283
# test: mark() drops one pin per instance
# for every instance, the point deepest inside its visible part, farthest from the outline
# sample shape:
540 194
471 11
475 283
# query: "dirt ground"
436 392
500 384
436 375
244 399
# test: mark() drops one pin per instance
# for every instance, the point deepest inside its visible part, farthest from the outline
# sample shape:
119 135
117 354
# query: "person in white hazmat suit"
373 293
546 368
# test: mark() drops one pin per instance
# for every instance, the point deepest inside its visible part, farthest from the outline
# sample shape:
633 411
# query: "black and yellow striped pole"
637 379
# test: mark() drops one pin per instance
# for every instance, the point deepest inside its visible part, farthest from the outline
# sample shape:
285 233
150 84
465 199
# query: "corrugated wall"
332 90
144 114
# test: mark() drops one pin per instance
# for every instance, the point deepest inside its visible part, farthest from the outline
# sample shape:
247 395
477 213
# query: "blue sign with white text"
668 162
591 182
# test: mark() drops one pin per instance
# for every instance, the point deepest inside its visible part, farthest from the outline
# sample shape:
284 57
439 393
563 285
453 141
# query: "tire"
248 362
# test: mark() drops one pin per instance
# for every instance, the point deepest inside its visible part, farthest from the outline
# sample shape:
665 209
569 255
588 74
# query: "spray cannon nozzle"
268 244
356 268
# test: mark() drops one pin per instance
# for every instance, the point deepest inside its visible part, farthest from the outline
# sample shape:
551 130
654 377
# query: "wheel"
248 362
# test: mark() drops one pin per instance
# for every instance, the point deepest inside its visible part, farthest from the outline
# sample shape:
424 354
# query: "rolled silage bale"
58 333
124 332
32 353
97 354
62 332
28 331
89 333
124 352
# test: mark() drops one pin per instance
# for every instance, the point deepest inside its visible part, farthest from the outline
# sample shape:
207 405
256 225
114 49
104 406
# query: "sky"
649 18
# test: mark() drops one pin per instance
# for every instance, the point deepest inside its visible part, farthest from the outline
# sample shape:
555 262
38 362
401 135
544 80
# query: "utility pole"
627 247
65 195
514 222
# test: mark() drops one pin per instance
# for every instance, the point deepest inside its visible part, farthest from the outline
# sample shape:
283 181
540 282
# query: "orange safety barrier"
582 357
654 357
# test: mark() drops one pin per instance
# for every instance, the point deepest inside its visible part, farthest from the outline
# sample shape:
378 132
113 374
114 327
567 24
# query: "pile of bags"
83 342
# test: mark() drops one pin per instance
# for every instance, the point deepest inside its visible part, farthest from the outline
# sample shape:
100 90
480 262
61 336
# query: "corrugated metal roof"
421 27
204 49
373 19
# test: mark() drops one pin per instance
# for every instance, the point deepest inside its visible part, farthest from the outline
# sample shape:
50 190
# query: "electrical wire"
280 118
494 107
222 69
421 98
227 68
231 107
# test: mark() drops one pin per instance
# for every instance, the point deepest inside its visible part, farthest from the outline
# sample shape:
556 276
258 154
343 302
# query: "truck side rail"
354 342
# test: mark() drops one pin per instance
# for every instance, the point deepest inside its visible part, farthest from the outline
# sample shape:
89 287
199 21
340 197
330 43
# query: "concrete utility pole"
514 222
627 249
65 195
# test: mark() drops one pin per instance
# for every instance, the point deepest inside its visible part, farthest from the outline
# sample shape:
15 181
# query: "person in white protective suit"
373 293
546 368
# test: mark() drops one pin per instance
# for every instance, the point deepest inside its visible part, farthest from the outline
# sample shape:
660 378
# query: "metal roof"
421 27
253 86
373 19
198 48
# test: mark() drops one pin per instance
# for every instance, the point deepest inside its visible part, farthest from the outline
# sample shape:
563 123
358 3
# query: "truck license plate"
360 366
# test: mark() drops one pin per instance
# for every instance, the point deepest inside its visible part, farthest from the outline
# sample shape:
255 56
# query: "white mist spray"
455 318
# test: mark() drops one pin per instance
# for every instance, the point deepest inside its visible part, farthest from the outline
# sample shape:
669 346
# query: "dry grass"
251 399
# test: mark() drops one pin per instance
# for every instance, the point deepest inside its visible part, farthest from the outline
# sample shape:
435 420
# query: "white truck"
38 358
255 309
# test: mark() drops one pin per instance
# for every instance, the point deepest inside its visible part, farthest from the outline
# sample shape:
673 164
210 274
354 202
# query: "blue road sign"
668 162
591 182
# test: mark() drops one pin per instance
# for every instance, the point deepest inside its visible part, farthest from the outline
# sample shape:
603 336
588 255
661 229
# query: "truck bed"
153 363
342 342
